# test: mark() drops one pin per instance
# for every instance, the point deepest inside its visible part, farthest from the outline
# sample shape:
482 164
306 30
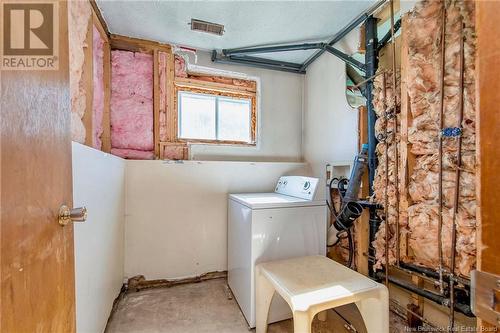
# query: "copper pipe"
457 185
396 154
368 79
440 152
386 194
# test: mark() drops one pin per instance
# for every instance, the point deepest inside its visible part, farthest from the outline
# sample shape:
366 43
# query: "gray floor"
199 308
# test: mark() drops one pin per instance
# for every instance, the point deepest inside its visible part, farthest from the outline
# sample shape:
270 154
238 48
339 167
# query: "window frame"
236 94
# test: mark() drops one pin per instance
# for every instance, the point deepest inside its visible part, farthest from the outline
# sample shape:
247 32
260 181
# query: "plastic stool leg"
322 315
375 313
302 322
264 294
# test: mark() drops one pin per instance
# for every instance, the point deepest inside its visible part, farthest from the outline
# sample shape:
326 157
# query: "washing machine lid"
272 200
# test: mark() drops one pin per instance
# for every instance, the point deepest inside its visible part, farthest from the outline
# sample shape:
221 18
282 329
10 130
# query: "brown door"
37 261
488 88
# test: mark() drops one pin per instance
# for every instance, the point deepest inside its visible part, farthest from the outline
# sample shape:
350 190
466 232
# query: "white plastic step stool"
316 283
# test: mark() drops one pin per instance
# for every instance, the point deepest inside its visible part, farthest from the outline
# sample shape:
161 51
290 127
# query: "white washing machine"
290 222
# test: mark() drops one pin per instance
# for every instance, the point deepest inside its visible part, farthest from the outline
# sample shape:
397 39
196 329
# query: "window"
215 118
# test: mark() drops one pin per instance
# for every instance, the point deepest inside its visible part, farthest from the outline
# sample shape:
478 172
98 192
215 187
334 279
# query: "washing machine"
289 222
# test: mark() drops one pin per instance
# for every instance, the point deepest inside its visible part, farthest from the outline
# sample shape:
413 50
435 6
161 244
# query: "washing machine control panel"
297 186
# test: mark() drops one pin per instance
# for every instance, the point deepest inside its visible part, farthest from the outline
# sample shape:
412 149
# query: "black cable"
331 205
351 248
332 208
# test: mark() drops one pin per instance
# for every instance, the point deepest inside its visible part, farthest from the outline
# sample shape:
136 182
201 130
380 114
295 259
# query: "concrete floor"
199 308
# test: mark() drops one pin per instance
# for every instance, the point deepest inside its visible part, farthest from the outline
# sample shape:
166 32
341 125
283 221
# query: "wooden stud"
488 126
180 81
171 113
106 120
384 13
362 234
99 27
156 104
416 304
251 85
137 45
99 21
88 77
407 163
406 119
184 146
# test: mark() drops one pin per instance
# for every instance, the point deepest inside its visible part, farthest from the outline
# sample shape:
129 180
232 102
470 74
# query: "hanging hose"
350 208
351 248
337 219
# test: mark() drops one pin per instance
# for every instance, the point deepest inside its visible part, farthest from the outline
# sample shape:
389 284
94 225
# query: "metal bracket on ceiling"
240 55
283 66
384 40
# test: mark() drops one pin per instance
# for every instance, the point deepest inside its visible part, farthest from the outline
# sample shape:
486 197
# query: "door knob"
67 215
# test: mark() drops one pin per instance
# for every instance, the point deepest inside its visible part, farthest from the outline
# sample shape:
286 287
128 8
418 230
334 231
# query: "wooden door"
488 96
37 261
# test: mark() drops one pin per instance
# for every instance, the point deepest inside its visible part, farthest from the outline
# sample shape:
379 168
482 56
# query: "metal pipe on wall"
436 298
371 63
440 153
457 183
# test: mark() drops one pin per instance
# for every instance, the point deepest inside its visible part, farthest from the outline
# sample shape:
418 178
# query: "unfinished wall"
279 118
79 15
423 81
132 104
176 219
98 184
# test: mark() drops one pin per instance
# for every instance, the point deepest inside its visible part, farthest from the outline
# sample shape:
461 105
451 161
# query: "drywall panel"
176 219
330 125
279 118
99 185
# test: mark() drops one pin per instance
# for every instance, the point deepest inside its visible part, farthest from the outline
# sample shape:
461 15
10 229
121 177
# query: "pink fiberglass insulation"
78 19
133 154
132 101
180 66
98 98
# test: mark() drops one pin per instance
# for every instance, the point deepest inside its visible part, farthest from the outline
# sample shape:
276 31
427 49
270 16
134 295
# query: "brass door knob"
67 215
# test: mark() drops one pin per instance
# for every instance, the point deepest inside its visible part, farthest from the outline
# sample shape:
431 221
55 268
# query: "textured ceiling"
247 23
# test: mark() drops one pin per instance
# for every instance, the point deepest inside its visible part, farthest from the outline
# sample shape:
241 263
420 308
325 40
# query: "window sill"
218 142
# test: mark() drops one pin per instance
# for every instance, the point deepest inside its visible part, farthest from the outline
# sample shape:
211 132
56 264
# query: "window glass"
234 119
213 117
197 116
